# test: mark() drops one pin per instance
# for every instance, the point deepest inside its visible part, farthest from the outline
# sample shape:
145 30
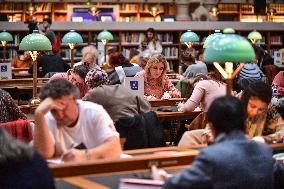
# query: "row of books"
170 52
276 39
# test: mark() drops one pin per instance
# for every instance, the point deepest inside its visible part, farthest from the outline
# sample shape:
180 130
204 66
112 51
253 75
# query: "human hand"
47 105
180 107
159 174
150 97
166 95
74 155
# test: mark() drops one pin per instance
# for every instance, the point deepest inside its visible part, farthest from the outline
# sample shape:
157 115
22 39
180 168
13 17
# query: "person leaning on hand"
64 124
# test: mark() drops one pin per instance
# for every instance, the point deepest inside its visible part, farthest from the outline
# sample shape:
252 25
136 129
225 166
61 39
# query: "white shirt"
93 128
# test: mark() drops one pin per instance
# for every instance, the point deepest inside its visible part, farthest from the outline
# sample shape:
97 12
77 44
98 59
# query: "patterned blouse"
83 88
263 124
155 88
9 109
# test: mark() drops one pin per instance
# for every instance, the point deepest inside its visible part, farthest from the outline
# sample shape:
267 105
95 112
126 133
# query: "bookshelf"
129 35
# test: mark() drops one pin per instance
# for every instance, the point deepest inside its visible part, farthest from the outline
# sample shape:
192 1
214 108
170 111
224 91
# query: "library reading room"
132 94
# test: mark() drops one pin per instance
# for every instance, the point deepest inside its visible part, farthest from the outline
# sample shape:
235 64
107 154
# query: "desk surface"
166 102
158 157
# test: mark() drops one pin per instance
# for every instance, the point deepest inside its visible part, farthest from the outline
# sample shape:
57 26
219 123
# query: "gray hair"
90 49
13 151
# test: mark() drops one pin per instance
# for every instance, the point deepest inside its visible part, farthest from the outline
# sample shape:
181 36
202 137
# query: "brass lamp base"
35 101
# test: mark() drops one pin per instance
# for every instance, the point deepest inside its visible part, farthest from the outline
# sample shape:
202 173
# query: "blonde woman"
90 55
156 84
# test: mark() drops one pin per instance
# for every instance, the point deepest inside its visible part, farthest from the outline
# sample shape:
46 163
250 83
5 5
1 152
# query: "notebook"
135 84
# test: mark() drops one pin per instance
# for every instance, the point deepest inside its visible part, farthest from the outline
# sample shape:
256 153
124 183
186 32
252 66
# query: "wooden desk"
28 109
138 162
21 73
166 102
22 83
177 115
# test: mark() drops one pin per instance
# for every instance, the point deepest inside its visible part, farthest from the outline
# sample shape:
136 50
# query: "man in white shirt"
65 124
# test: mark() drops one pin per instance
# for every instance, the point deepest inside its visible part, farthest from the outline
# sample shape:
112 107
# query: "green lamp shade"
189 36
106 35
210 38
6 36
72 37
229 48
254 35
35 42
229 30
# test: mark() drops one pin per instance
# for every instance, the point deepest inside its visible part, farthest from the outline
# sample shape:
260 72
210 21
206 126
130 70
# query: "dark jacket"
233 162
141 131
50 63
27 175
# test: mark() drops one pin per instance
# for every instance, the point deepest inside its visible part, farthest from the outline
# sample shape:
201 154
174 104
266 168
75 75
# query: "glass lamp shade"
72 37
105 35
229 48
229 30
6 36
189 36
35 42
254 35
211 38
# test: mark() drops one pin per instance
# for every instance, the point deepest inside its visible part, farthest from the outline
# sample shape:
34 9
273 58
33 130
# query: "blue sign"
134 85
4 68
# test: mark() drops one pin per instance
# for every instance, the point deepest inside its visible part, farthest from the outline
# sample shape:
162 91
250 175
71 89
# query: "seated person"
90 55
50 63
261 120
278 81
193 67
9 109
118 101
205 91
157 85
64 125
122 68
21 167
232 161
76 76
96 78
22 60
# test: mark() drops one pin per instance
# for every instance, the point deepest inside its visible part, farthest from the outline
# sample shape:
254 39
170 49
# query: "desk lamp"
34 43
210 38
72 38
188 38
229 48
229 31
105 36
4 38
254 36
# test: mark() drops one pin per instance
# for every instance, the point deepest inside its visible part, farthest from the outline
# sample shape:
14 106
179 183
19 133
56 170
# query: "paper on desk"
125 156
55 161
131 183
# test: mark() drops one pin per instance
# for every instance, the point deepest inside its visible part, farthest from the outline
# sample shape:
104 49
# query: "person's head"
156 66
117 59
187 58
90 54
259 52
46 23
226 114
143 58
77 75
65 94
133 52
197 78
150 34
199 55
111 51
13 151
256 98
96 78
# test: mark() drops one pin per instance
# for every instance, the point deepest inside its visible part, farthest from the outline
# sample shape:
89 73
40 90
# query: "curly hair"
90 49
